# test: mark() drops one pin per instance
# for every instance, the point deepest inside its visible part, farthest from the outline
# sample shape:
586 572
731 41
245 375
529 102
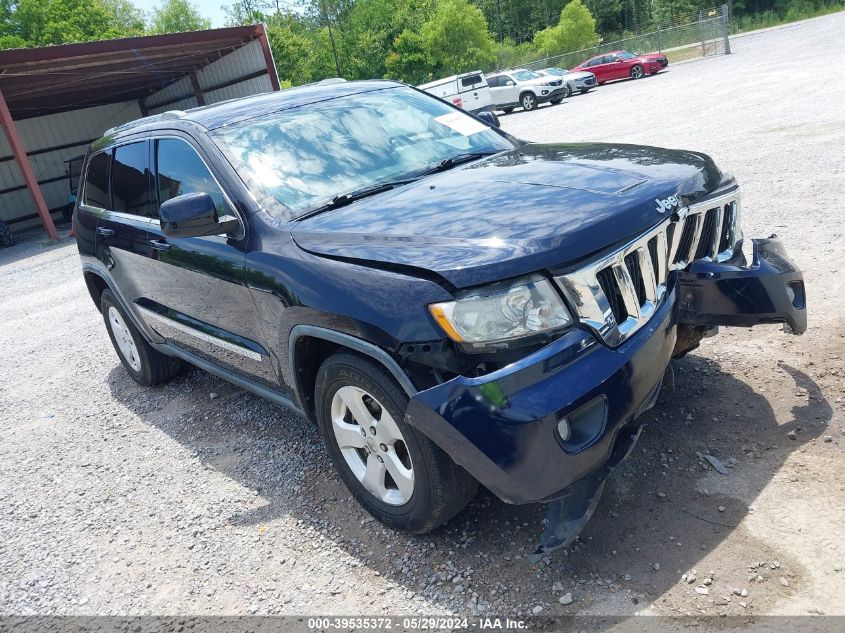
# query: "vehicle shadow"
657 507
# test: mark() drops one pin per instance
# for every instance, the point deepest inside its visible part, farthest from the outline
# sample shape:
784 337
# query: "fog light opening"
563 429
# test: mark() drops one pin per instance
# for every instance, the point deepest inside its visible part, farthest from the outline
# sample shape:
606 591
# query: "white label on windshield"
461 123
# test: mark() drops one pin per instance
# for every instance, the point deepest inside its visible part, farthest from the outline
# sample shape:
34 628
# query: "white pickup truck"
468 91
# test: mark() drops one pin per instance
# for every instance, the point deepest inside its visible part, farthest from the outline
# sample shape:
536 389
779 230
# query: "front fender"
733 293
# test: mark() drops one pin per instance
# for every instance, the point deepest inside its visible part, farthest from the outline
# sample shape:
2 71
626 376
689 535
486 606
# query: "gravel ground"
199 498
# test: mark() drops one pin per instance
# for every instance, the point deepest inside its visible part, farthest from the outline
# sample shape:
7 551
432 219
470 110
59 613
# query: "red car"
622 65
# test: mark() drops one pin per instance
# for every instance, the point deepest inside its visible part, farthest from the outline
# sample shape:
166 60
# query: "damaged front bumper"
732 293
551 426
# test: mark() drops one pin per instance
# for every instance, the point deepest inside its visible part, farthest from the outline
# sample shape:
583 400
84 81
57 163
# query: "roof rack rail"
163 116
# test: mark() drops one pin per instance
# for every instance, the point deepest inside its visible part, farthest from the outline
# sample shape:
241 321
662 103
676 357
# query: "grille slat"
705 240
619 293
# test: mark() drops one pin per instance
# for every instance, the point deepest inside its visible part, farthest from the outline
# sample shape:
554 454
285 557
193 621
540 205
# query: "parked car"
468 91
451 306
583 82
623 65
524 88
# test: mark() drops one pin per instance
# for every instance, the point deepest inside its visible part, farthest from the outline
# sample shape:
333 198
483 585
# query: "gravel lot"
199 498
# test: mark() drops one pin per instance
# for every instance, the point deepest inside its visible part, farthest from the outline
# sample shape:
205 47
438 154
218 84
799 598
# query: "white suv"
524 88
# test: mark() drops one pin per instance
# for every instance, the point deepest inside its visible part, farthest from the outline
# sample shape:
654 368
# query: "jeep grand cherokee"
450 305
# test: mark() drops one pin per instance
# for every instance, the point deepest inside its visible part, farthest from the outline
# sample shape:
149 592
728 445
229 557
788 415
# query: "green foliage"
177 16
575 31
457 38
43 22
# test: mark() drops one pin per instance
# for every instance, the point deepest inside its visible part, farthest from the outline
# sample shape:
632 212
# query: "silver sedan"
581 81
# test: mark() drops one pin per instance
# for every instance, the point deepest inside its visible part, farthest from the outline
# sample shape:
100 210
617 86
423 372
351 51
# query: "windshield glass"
300 159
626 55
525 75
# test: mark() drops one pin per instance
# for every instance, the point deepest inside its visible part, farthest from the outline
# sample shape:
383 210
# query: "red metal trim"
26 168
268 56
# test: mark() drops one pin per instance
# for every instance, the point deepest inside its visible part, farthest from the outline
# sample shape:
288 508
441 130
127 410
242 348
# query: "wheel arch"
96 284
310 345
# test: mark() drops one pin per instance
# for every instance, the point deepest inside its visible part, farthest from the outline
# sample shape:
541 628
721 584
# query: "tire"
145 365
637 72
584 91
434 489
555 101
7 238
507 110
528 101
568 92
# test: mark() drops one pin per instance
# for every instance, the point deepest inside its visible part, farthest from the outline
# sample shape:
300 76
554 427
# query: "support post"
268 57
26 168
726 23
195 86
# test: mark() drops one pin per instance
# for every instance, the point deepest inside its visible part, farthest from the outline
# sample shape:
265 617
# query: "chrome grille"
617 294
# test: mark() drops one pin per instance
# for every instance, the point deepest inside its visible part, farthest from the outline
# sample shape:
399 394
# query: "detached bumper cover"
502 427
770 290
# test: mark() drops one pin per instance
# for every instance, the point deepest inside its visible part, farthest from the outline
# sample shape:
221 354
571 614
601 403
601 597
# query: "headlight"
498 314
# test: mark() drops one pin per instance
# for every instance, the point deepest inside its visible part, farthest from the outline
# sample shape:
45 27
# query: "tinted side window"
472 80
180 170
96 193
130 179
493 82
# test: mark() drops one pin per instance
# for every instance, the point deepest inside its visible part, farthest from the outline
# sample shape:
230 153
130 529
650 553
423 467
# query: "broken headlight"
499 314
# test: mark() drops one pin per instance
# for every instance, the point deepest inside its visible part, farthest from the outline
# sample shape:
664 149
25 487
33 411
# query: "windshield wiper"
458 159
342 199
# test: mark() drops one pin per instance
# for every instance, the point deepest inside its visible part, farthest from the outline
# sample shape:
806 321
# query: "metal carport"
55 100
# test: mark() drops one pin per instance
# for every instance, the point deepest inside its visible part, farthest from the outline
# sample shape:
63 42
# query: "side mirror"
194 215
510 83
489 118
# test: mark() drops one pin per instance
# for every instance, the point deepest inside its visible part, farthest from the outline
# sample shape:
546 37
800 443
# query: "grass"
767 19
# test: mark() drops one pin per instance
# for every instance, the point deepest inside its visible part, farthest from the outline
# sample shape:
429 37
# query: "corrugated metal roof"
37 81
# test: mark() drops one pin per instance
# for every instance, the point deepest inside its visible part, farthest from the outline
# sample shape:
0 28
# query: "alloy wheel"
528 102
372 445
123 337
636 72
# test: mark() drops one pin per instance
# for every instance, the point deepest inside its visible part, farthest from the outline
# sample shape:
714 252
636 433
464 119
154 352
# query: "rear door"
202 303
116 190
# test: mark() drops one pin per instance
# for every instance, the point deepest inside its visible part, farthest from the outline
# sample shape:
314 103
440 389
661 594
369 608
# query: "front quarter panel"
293 287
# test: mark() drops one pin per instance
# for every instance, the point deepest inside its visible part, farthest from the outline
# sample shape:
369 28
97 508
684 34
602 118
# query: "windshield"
300 159
559 72
626 55
525 75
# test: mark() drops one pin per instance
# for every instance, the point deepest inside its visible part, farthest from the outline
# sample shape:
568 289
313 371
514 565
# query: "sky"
209 9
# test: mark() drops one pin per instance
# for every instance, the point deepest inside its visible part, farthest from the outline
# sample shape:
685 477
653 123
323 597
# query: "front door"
202 303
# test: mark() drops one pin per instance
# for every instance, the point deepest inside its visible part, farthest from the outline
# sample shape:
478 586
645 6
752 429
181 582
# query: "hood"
535 207
578 74
652 56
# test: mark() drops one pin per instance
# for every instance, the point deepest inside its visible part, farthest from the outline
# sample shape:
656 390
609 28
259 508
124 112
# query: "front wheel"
555 101
400 476
636 72
528 101
507 110
584 91
567 92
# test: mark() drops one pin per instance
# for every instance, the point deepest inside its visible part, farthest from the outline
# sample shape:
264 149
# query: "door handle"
101 230
158 245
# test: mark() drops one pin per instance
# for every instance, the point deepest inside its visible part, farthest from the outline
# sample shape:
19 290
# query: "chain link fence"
699 34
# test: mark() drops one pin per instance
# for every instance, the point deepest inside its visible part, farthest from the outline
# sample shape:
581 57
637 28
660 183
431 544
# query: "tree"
457 39
177 16
43 22
575 31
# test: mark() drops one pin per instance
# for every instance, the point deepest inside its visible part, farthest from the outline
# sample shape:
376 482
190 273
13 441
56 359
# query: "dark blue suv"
449 304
